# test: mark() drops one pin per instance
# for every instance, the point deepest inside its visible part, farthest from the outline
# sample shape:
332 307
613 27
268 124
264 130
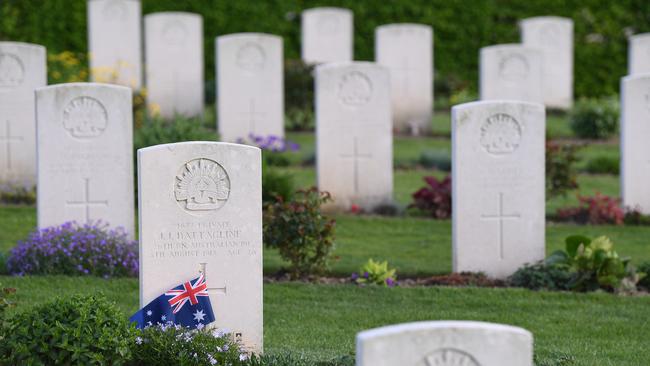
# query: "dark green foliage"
460 30
541 277
635 217
80 330
299 119
557 359
17 195
272 158
387 209
163 345
6 295
294 359
299 95
595 118
159 131
435 159
645 281
561 175
300 231
603 165
275 185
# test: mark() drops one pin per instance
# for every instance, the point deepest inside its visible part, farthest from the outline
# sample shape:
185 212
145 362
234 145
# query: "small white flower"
138 340
163 318
200 326
149 313
195 355
226 348
243 357
219 349
212 360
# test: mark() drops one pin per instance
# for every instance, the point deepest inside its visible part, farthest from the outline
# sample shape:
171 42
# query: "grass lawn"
321 321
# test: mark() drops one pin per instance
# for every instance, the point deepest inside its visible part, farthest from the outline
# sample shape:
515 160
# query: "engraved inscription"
85 117
500 134
355 89
514 67
175 33
251 57
114 10
449 357
12 70
202 185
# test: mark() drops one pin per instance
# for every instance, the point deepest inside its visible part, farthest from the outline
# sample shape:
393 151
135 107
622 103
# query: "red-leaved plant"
434 198
596 210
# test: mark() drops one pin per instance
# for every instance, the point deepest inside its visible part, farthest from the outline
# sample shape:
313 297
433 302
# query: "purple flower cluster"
72 249
270 143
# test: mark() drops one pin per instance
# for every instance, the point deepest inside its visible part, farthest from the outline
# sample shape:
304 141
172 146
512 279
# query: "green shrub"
167 344
301 233
299 96
299 120
561 175
541 277
157 131
276 185
645 281
80 330
376 273
595 118
594 265
435 159
387 209
6 302
603 165
17 195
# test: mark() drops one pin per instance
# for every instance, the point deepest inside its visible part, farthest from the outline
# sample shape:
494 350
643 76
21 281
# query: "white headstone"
554 37
445 343
22 69
639 54
115 42
635 134
85 155
354 142
498 186
201 210
327 35
174 56
511 71
407 51
250 85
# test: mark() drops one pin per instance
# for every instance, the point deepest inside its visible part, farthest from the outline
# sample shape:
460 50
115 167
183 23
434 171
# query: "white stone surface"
354 142
511 71
445 343
498 163
22 69
115 42
639 54
407 51
85 155
554 37
327 35
174 56
250 85
201 208
635 134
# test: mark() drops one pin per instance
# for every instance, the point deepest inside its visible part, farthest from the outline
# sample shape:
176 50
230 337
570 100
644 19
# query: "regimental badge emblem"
500 134
202 185
355 89
85 117
251 57
514 67
12 71
449 357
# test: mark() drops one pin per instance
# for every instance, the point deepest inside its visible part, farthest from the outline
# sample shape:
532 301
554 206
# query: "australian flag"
187 304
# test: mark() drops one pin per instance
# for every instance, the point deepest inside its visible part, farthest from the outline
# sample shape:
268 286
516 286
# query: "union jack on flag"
188 306
188 291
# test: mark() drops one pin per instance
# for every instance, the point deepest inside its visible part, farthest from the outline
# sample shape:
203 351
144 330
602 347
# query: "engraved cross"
212 290
501 217
8 139
356 156
251 114
87 203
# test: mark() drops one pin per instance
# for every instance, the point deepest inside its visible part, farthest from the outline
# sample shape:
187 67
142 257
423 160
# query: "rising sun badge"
202 185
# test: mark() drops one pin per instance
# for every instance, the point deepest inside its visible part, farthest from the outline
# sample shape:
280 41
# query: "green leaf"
556 258
573 243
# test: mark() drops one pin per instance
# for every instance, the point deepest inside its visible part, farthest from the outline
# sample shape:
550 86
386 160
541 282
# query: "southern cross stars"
199 315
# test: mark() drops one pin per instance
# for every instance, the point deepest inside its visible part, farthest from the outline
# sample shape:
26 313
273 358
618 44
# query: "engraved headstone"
639 54
445 343
22 69
635 134
354 142
174 54
553 36
327 35
511 72
85 155
497 186
407 51
114 42
250 85
201 211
